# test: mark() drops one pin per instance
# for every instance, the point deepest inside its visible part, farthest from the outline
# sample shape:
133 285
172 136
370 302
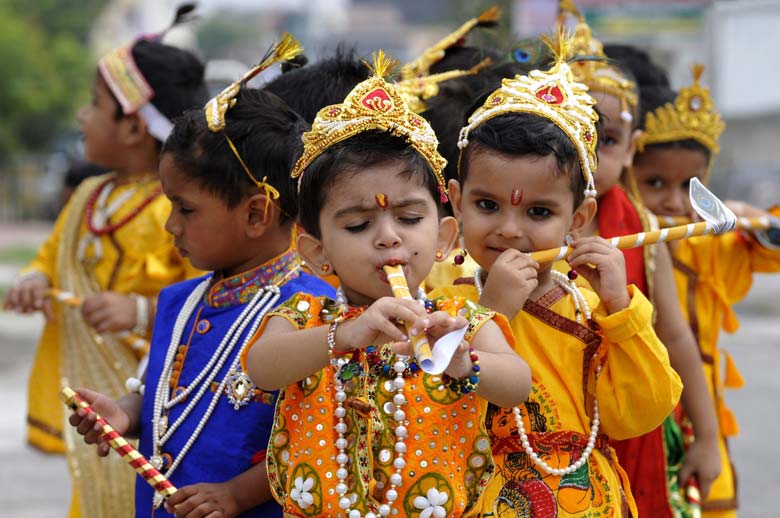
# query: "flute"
119 444
420 345
717 219
755 223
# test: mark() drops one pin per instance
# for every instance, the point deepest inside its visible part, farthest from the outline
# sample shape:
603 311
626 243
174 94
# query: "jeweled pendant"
156 461
239 388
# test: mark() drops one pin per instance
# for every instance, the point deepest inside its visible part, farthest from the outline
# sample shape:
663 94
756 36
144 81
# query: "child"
679 142
200 419
649 269
109 248
600 372
379 437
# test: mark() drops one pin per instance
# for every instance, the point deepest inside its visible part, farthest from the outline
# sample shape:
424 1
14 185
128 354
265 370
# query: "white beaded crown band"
553 95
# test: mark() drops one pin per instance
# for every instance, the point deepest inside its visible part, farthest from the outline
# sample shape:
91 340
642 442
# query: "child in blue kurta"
201 421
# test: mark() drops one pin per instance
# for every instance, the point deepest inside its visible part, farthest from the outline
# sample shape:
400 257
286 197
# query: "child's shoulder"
306 284
179 291
462 287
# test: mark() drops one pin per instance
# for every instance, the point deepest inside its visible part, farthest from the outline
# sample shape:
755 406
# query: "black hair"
521 134
266 133
371 148
175 75
312 87
653 98
638 61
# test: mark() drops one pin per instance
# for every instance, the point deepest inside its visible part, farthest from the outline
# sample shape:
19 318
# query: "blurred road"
34 485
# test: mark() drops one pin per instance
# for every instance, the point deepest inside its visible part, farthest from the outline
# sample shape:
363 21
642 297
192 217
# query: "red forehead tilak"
516 196
381 200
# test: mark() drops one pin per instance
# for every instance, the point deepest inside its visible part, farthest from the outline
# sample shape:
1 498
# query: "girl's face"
520 202
664 177
380 215
100 126
616 149
204 229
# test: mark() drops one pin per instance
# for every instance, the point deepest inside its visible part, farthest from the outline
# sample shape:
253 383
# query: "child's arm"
222 500
124 416
702 458
284 355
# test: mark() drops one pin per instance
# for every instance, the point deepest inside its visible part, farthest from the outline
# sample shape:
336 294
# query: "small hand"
86 425
203 500
512 278
378 324
702 460
607 275
29 295
109 312
435 325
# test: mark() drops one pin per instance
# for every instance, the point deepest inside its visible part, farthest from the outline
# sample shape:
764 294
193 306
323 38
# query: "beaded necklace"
400 366
581 307
265 299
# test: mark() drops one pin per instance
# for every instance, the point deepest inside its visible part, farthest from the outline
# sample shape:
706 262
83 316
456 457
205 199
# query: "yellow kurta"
712 274
636 390
139 258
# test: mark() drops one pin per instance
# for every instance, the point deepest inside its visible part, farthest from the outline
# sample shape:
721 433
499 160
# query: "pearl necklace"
253 313
581 307
399 463
99 216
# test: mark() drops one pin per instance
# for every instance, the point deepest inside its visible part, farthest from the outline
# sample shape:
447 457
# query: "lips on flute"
120 445
420 345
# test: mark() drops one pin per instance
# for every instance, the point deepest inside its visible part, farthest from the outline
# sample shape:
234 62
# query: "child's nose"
387 235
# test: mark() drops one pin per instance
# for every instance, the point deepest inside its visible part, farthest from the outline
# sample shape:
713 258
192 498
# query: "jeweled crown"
554 95
692 116
596 71
374 104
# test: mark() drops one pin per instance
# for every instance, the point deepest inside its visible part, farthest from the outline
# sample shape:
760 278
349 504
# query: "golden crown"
554 95
596 71
417 90
692 116
422 66
373 104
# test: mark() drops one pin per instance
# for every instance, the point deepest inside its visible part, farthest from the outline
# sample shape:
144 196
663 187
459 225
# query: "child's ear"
448 235
310 249
134 129
583 215
633 139
456 196
261 213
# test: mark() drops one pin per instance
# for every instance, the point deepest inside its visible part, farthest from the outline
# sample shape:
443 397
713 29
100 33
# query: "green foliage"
47 70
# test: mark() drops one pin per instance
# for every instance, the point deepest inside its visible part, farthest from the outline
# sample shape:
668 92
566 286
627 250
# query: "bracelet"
141 315
468 384
332 354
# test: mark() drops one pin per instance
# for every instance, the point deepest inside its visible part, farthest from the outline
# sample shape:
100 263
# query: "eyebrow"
538 201
359 209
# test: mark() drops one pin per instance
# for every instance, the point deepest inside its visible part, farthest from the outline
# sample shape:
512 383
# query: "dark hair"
350 156
522 134
175 75
646 72
312 87
266 133
653 98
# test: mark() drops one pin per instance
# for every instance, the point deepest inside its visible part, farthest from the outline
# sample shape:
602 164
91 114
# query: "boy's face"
664 177
204 229
616 150
520 202
380 215
100 126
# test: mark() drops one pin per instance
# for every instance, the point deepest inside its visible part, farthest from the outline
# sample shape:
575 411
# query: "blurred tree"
47 70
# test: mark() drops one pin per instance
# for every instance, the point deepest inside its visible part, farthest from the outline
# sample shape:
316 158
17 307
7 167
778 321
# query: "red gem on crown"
378 100
550 94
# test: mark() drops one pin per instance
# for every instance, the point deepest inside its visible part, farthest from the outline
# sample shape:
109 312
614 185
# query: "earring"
460 257
572 274
439 255
325 268
568 240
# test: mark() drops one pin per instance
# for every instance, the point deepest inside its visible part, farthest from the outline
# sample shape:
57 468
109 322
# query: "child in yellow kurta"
712 273
108 247
360 429
526 183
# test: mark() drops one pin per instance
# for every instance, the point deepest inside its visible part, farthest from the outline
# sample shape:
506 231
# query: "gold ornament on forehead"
216 109
374 104
553 95
596 71
692 116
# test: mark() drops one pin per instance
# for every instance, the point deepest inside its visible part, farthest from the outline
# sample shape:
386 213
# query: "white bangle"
141 315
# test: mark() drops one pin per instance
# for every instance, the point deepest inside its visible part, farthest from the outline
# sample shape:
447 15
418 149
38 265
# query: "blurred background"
48 55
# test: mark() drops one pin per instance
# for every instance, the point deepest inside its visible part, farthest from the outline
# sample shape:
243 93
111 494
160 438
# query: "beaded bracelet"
333 354
469 383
